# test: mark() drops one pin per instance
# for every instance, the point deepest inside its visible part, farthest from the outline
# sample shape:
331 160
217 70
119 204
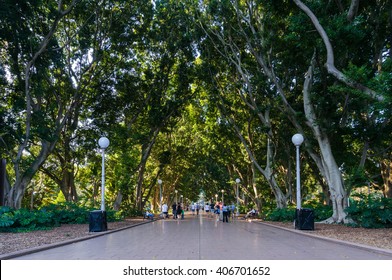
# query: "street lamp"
182 199
160 194
222 196
33 193
97 218
297 140
103 143
237 183
176 195
216 198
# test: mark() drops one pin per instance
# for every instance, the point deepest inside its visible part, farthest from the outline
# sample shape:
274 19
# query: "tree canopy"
196 94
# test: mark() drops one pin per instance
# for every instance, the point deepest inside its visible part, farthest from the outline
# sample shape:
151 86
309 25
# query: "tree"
252 33
241 77
46 108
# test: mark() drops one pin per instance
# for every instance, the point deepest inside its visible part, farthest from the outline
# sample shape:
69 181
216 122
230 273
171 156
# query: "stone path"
205 238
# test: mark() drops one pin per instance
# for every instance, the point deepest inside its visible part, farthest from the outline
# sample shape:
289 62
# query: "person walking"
193 208
225 211
197 208
207 209
174 209
233 209
221 211
217 211
165 212
180 212
228 212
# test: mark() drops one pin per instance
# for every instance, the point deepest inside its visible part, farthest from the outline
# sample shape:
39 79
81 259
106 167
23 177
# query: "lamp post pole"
33 193
216 198
176 197
222 196
103 143
237 193
297 140
160 194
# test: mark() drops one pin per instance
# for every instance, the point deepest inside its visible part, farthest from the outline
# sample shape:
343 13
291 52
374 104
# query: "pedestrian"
180 212
221 211
174 209
207 209
233 209
193 208
228 211
197 208
217 211
165 212
225 211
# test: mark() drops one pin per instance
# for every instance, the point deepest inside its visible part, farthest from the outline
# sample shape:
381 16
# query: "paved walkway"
204 238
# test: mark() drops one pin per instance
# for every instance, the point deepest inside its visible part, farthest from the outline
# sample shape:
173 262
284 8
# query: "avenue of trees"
197 94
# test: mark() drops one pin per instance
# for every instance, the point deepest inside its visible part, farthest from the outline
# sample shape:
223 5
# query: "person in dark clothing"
217 211
225 213
174 208
179 211
228 212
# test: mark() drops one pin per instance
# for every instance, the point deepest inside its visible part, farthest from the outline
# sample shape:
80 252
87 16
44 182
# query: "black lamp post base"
98 221
304 219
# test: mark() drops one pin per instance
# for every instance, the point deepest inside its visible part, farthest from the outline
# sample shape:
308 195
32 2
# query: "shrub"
12 220
280 215
6 217
133 212
371 212
321 212
113 216
67 213
24 220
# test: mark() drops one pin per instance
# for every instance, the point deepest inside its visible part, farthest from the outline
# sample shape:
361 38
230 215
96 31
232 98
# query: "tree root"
331 220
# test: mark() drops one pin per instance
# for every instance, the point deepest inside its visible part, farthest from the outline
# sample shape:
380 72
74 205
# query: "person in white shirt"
251 213
165 211
207 209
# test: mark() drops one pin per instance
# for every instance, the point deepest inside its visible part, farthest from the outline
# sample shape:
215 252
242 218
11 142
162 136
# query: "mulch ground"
380 238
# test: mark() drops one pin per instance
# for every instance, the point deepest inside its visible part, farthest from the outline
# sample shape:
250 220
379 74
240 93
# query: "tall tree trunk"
33 105
66 180
257 199
281 200
386 173
146 151
16 193
4 184
328 164
68 187
335 182
352 12
117 201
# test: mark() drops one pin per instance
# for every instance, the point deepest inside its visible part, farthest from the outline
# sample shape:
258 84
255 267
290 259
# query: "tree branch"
352 12
330 64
